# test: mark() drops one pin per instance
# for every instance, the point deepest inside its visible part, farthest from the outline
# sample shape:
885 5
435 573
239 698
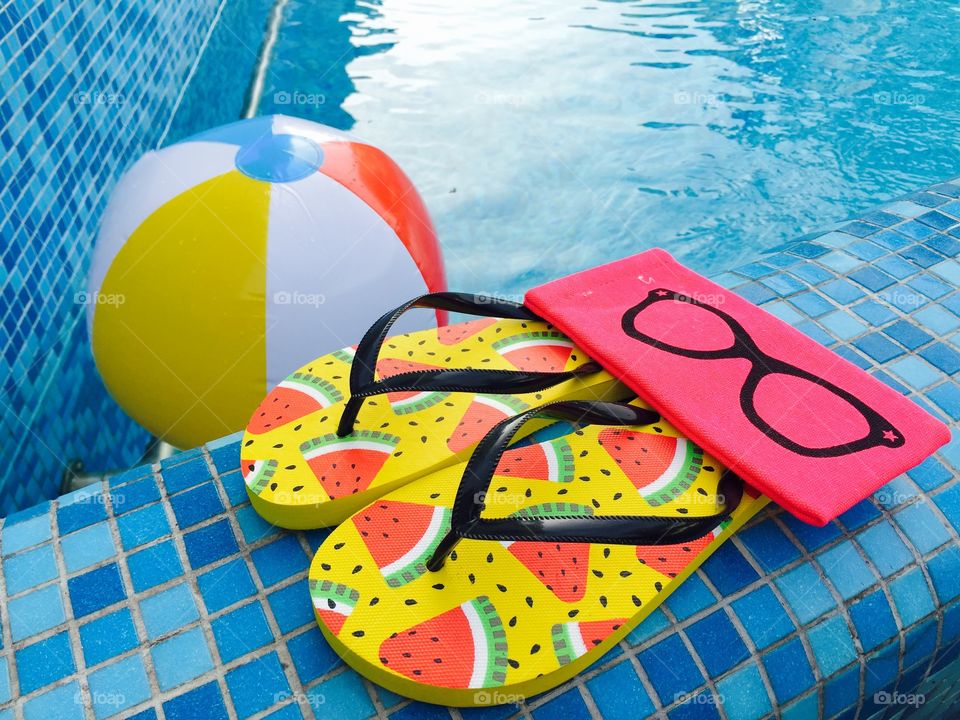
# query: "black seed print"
603 600
534 649
573 613
529 601
409 601
297 488
438 586
489 557
501 588
513 663
512 622
248 443
273 486
356 569
597 573
636 600
358 633
658 585
325 566
625 573
374 601
606 552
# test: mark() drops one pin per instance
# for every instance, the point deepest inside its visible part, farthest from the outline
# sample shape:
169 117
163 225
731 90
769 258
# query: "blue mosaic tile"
885 548
312 655
944 244
154 566
168 610
922 527
807 250
234 488
881 671
840 262
783 284
87 547
812 304
866 250
60 703
871 278
944 568
873 620
691 597
345 697
883 219
810 273
717 642
252 526
128 476
80 509
805 592
670 668
896 266
878 347
701 706
186 475
874 313
44 662
205 701
728 570
915 230
142 526
810 536
181 658
279 560
816 333
947 397
930 474
937 319
858 229
5 689
848 572
930 286
210 543
108 636
95 590
652 625
196 505
859 515
755 293
908 334
618 694
754 271
29 569
25 534
769 546
255 685
841 692
842 325
225 585
920 643
744 695
788 670
911 596
35 612
937 220
832 645
225 457
803 709
922 256
942 356
134 495
763 617
288 607
241 631
567 705
119 686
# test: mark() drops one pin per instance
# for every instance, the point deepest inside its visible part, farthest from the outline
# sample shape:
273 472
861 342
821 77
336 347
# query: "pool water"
547 137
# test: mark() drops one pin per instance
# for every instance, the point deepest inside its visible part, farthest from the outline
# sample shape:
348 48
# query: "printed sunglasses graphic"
880 432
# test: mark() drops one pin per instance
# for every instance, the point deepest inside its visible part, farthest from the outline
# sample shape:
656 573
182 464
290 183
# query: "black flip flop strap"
610 529
363 385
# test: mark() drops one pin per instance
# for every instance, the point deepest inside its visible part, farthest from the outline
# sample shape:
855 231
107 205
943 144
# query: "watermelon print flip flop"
509 574
333 437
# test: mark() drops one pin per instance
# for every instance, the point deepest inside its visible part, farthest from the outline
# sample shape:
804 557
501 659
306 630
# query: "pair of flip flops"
465 570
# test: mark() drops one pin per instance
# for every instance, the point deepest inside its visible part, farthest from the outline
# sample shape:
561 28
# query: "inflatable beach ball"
228 260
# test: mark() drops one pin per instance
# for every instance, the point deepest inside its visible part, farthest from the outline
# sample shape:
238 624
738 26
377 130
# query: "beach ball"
226 261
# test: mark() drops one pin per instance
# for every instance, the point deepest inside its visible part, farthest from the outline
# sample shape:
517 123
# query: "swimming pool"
546 137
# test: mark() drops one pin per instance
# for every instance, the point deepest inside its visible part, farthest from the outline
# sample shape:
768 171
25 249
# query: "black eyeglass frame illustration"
881 432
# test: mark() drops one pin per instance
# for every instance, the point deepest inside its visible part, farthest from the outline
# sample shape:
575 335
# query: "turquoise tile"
744 695
60 703
805 592
256 685
25 534
29 569
763 616
619 694
653 624
181 658
168 610
108 636
842 325
44 662
912 596
885 548
832 645
35 612
847 570
253 526
142 526
4 681
344 698
691 597
803 709
922 527
87 547
119 686
915 372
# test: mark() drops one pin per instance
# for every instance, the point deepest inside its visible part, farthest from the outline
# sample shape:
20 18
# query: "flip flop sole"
502 621
300 475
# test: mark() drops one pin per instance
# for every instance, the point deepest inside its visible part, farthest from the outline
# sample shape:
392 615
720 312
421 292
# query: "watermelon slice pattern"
346 466
575 639
537 351
484 412
561 567
404 403
401 537
661 467
670 560
465 647
257 474
553 510
299 395
457 333
345 355
333 602
551 461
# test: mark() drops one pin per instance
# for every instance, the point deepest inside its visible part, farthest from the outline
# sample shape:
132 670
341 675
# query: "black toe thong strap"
363 385
466 522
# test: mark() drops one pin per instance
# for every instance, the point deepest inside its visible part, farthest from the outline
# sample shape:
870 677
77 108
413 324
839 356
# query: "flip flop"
331 438
580 537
